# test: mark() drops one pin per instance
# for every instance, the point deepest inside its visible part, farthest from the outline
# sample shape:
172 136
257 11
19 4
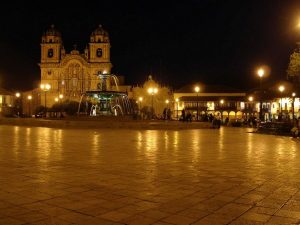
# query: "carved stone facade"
72 74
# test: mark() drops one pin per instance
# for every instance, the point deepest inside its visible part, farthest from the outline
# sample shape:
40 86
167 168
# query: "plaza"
108 176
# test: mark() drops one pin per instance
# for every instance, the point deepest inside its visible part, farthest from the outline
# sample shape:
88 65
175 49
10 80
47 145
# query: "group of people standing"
167 114
186 116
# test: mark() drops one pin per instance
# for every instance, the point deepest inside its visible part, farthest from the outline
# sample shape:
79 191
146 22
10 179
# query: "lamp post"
60 97
281 88
177 103
197 89
260 73
45 88
250 99
221 102
18 95
140 104
152 92
167 102
293 105
29 97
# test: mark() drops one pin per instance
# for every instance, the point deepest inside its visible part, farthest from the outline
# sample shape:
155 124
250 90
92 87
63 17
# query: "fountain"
105 101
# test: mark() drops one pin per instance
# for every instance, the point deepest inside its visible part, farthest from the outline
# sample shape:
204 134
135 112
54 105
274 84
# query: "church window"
99 52
50 53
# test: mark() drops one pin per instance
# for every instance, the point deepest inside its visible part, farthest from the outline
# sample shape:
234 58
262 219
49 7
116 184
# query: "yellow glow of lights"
261 72
298 24
18 94
293 94
167 101
29 97
152 91
177 100
222 101
56 99
140 99
61 96
197 89
250 98
45 87
281 88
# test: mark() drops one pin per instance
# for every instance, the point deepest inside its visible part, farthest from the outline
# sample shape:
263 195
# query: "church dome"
99 35
52 35
52 31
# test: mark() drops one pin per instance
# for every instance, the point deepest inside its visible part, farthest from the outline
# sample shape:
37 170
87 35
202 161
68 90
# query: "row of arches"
231 114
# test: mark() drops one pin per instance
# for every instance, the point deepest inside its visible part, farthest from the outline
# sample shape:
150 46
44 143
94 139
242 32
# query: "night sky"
178 42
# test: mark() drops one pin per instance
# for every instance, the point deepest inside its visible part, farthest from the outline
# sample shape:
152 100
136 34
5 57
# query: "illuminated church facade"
72 74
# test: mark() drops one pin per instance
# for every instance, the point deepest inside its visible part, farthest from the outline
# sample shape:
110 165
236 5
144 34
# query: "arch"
225 114
216 113
232 115
239 115
69 58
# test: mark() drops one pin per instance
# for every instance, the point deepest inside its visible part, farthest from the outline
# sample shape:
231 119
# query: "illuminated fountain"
105 101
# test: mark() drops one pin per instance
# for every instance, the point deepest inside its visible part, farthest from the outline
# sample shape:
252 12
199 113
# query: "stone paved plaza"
90 177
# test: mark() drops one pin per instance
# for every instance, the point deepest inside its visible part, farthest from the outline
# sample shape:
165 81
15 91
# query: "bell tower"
51 46
99 47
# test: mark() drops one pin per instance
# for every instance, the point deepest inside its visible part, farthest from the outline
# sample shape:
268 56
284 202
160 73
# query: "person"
168 114
165 114
189 117
218 120
226 121
183 114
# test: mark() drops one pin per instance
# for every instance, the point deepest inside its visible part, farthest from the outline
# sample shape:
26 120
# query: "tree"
293 71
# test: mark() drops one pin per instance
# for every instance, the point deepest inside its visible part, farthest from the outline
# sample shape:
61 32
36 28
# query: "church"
69 75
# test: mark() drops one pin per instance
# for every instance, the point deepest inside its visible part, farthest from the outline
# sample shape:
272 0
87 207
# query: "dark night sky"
179 42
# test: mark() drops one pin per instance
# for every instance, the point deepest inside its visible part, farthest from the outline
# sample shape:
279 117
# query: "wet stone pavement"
90 177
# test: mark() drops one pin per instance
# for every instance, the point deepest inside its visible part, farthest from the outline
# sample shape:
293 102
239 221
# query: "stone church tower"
72 74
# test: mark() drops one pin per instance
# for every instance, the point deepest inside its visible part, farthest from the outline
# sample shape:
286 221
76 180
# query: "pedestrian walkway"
91 177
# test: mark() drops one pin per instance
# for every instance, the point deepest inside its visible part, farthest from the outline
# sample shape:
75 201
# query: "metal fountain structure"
105 100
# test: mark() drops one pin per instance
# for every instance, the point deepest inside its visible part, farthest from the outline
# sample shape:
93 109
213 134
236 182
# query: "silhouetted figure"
168 114
183 115
165 114
189 117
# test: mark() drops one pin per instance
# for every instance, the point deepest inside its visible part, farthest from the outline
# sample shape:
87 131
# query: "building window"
50 53
99 52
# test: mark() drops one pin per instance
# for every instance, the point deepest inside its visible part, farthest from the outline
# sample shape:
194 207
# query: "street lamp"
45 88
293 105
152 92
18 103
197 89
29 97
260 73
167 102
140 104
281 88
250 98
61 96
177 103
